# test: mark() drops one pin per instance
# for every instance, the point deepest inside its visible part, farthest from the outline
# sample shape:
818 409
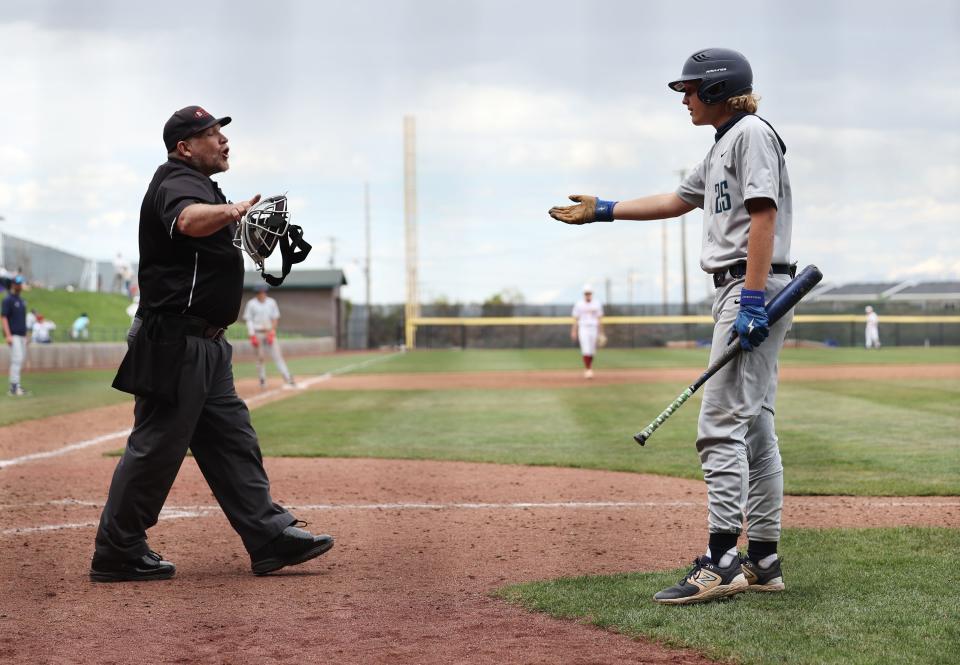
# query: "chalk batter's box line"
184 512
104 438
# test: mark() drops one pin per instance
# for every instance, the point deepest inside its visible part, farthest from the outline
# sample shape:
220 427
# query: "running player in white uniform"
744 190
872 330
262 315
587 328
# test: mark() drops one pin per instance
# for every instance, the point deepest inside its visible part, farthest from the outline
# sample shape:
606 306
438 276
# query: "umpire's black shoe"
292 546
150 566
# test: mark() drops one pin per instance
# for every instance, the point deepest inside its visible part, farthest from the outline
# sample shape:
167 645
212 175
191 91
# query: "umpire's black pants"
214 423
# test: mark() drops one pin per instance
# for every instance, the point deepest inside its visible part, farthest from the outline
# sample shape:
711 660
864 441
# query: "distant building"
931 295
309 302
927 296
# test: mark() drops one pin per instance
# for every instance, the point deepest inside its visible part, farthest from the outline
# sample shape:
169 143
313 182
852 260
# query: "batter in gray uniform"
744 190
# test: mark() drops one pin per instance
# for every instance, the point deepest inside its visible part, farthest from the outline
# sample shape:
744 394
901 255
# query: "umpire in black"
178 365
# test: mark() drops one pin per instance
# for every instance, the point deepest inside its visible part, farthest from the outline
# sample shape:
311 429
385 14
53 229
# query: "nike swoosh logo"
724 153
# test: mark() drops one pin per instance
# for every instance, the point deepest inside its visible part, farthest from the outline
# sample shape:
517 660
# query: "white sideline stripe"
52 502
66 449
876 503
181 512
122 433
326 376
165 514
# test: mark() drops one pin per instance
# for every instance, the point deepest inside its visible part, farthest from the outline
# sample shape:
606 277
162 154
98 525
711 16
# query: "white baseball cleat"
588 373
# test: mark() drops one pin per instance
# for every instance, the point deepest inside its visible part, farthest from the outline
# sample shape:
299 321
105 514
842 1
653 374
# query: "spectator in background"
81 327
31 321
122 274
134 305
13 312
42 329
872 332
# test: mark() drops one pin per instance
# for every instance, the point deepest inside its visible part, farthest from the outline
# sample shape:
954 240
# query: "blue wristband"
604 211
751 298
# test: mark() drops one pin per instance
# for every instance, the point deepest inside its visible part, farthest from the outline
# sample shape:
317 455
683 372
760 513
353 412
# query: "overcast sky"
517 104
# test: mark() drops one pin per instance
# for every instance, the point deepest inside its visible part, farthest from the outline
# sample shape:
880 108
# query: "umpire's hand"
582 213
239 209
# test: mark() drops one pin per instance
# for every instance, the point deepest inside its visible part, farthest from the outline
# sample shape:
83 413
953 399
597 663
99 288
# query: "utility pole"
683 251
333 251
663 258
632 278
606 290
366 263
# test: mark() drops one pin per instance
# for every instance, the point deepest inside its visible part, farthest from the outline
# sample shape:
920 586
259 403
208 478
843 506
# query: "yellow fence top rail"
654 320
413 323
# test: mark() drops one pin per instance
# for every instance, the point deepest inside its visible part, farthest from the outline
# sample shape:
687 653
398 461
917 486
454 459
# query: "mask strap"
292 252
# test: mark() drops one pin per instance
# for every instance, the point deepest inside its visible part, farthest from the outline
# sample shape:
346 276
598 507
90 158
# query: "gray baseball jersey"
746 162
260 315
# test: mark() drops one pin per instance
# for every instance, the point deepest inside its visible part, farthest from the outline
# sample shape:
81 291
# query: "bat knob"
640 438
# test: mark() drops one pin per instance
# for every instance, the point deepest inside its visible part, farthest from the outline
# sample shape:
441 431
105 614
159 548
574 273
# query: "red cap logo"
200 113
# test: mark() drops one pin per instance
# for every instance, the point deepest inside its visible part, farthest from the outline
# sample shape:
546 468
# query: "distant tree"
441 306
502 303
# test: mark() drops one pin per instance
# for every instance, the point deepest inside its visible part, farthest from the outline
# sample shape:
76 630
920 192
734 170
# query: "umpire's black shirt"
201 277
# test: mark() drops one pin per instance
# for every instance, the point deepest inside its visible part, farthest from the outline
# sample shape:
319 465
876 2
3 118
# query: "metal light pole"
366 263
663 258
683 251
412 309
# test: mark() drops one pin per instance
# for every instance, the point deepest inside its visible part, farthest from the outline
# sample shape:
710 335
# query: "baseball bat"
782 303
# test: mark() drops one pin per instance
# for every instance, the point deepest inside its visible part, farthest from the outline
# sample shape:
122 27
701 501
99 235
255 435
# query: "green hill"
107 312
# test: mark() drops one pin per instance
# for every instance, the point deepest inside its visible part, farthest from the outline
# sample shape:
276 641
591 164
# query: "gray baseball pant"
274 353
18 353
736 440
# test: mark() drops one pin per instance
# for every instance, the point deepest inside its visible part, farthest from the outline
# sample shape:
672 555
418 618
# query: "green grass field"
56 393
853 597
837 437
476 360
888 438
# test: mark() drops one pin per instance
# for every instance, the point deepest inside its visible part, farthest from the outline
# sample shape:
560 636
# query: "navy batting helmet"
723 73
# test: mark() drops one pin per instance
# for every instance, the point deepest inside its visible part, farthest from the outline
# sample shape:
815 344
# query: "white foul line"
180 512
66 449
165 514
126 432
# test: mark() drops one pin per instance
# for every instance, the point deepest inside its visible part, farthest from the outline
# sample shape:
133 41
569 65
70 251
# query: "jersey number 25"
722 202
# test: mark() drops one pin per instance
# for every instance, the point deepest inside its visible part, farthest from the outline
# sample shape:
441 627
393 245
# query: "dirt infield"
420 545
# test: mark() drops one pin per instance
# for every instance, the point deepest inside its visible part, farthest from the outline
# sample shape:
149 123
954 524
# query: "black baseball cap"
188 121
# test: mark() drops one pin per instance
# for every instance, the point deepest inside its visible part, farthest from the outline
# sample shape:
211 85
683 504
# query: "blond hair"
747 103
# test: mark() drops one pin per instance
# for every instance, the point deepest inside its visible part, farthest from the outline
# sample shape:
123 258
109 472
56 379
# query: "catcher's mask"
265 226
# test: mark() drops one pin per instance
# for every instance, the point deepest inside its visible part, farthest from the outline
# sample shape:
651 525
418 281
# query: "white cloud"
110 220
507 125
933 268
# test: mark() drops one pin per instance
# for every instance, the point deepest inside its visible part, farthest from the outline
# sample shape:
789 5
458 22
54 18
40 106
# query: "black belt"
739 270
178 325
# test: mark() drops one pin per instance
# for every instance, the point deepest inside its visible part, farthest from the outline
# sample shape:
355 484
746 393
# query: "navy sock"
720 544
760 549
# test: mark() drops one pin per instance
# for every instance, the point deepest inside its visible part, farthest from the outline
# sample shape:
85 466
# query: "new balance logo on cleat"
705 581
763 579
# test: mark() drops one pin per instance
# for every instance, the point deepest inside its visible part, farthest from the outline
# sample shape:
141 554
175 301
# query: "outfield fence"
644 331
